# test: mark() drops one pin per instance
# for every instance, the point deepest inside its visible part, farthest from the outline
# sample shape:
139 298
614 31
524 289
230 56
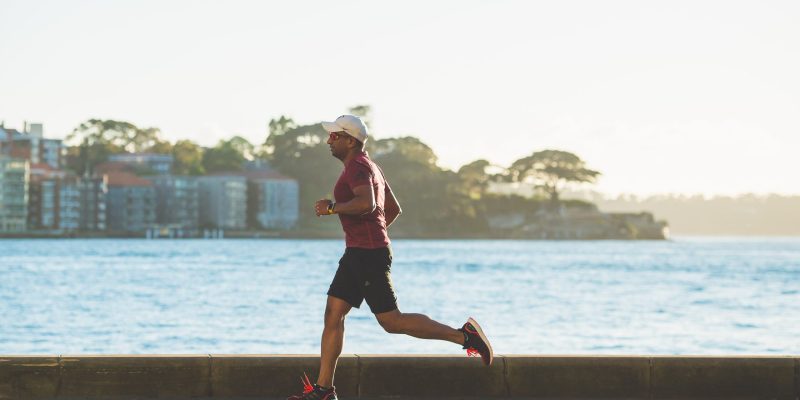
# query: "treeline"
436 201
95 140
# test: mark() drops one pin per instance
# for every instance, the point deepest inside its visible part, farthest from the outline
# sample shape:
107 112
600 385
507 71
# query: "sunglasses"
337 135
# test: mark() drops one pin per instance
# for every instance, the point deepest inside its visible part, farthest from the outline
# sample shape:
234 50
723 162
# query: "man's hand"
322 206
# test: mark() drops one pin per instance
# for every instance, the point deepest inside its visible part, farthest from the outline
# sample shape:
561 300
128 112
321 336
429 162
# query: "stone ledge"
211 376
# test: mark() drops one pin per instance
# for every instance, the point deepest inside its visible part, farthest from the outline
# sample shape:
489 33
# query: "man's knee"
334 320
391 323
335 312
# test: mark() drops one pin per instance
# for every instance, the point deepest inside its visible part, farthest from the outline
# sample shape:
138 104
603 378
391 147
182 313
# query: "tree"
188 158
279 126
408 149
120 135
160 147
83 157
226 156
94 140
142 140
551 170
475 178
107 132
276 127
243 147
363 111
433 199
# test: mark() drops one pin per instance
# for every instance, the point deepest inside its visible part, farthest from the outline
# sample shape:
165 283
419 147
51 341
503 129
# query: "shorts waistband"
362 250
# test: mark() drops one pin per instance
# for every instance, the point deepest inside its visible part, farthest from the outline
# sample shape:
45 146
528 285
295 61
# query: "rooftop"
121 178
254 175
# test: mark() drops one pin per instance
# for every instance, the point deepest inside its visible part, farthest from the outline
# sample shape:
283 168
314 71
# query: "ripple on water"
683 297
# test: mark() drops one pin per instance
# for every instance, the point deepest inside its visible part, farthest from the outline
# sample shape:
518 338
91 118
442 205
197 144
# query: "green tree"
82 158
408 149
279 126
188 158
433 199
475 178
364 111
94 140
243 147
117 134
226 156
120 135
142 140
160 147
551 170
276 127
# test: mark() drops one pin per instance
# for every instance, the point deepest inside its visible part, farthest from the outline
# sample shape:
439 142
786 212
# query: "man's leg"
418 325
332 339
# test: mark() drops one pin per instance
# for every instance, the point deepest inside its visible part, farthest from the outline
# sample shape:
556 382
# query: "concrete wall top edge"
732 356
708 356
65 356
29 355
650 355
213 355
416 355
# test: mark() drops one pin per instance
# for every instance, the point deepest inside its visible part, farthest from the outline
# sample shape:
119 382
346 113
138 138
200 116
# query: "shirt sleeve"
386 187
359 176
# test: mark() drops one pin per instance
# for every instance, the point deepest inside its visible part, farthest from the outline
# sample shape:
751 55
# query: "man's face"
339 143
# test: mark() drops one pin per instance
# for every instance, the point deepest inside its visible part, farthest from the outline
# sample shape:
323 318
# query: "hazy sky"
667 96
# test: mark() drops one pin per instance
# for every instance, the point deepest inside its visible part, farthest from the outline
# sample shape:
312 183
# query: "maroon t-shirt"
366 231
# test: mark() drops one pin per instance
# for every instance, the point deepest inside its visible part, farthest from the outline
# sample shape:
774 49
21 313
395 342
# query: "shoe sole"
483 337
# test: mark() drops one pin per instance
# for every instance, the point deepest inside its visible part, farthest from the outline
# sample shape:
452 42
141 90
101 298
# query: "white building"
273 200
14 178
223 201
178 203
158 163
31 144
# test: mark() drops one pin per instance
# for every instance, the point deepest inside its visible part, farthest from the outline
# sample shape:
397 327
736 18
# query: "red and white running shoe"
476 342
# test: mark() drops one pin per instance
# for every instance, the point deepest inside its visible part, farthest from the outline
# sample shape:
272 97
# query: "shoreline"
270 235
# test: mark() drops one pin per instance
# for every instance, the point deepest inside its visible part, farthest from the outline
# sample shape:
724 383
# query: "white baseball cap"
350 124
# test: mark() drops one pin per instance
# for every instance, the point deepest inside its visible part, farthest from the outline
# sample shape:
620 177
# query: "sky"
690 97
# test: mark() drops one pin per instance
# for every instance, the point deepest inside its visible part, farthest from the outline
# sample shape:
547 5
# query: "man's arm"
362 203
392 206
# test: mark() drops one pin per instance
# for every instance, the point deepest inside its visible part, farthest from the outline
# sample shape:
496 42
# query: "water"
688 296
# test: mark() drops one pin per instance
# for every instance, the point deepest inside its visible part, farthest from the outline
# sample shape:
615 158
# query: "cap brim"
331 127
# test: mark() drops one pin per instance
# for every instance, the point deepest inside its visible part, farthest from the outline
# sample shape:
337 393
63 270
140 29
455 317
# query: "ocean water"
686 296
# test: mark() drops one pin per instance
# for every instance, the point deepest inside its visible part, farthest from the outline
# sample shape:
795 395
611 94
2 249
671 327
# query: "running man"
367 207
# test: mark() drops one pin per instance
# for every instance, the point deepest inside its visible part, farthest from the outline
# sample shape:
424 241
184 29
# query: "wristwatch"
331 207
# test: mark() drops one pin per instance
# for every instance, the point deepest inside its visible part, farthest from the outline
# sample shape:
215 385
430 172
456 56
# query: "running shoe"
314 392
476 342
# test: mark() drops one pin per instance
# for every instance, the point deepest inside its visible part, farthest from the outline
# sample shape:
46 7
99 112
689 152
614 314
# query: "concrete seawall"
401 377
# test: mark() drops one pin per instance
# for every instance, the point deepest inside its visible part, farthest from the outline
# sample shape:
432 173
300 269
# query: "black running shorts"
365 274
